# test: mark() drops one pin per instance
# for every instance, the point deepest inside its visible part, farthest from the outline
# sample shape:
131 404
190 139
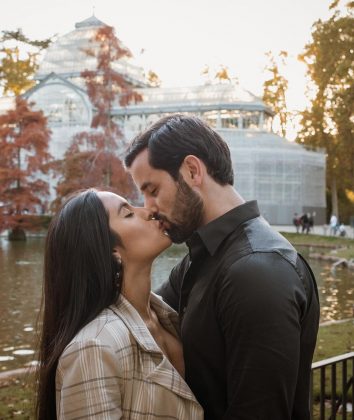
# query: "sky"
178 38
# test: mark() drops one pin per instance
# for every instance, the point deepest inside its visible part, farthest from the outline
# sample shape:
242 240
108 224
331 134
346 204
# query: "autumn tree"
17 67
274 89
328 122
153 79
24 158
94 156
222 75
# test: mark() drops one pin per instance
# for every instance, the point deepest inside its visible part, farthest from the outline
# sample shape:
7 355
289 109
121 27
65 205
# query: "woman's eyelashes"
127 212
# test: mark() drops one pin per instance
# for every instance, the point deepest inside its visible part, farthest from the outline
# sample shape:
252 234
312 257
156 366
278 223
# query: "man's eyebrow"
145 185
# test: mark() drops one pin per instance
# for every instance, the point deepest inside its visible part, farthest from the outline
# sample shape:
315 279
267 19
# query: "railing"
326 402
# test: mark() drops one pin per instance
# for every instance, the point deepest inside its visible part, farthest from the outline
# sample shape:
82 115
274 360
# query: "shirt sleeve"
87 382
259 306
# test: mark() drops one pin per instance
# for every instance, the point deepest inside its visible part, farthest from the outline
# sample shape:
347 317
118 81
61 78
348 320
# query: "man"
296 222
248 303
333 223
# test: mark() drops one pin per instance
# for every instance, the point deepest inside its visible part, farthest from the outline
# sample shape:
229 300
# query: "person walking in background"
305 222
333 223
312 221
247 301
110 349
296 222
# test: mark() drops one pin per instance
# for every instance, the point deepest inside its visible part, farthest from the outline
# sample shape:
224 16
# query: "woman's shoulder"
106 330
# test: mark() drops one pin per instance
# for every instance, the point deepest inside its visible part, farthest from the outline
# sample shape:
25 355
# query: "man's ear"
192 170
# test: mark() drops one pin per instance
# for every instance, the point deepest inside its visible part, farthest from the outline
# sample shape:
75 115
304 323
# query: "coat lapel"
167 376
133 321
164 373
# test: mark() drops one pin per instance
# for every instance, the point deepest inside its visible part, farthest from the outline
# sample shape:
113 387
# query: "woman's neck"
137 288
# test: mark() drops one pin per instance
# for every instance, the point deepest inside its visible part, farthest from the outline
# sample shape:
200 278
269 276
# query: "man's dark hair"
174 137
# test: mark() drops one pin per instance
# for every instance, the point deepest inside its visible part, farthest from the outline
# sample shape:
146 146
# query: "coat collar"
133 321
163 374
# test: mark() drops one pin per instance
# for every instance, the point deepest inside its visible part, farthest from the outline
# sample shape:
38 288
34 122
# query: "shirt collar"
212 234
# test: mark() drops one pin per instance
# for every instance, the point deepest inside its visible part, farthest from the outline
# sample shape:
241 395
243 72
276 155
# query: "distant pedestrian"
341 230
312 221
296 222
305 222
333 225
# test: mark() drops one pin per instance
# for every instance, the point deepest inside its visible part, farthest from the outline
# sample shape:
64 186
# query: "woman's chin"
165 243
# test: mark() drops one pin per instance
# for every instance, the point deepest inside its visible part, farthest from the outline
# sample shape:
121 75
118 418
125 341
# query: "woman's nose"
144 213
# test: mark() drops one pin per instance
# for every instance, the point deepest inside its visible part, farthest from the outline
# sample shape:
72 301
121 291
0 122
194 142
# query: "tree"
16 69
274 90
84 169
153 79
222 74
24 158
93 157
328 122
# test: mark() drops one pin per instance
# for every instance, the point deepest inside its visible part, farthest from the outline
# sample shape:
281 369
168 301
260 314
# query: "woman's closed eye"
127 212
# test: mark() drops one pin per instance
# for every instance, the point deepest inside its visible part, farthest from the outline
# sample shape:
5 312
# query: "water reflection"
20 293
335 289
21 266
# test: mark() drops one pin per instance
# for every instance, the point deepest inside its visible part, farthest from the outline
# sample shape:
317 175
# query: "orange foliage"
93 157
24 158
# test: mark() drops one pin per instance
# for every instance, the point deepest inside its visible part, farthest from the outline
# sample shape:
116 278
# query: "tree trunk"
17 234
334 197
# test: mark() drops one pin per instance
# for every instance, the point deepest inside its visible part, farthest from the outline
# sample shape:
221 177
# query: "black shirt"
249 311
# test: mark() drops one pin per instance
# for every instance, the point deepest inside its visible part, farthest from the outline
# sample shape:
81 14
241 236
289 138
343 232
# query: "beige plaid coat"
113 369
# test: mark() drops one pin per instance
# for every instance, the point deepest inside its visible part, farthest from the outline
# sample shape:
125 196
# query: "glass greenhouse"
283 176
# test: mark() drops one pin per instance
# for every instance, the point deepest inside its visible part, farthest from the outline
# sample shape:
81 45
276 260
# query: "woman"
109 347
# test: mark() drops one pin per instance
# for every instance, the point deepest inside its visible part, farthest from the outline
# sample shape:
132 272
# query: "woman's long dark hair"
80 280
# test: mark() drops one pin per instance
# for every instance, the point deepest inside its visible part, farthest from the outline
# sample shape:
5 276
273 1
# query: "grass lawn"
16 398
332 340
343 248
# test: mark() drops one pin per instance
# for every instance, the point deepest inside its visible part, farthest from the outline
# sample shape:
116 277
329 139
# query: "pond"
21 265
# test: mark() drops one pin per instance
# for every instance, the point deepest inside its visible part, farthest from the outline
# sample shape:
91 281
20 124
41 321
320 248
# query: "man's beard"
187 213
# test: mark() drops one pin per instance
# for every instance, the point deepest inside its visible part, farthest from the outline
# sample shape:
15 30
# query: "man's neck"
219 200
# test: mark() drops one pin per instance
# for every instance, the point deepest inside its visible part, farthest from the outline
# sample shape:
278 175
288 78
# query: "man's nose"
150 203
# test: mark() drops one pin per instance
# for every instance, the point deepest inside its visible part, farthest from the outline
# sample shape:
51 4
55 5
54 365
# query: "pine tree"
93 157
24 158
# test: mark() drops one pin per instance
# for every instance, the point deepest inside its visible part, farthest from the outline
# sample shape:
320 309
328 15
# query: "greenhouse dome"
67 56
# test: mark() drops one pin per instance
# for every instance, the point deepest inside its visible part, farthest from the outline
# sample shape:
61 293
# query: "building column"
261 120
218 120
240 121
